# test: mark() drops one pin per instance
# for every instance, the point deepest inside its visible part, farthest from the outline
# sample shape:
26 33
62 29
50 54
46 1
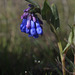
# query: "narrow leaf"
74 35
71 39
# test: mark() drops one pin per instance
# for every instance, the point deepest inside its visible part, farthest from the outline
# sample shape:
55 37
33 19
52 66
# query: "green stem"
62 56
74 64
60 48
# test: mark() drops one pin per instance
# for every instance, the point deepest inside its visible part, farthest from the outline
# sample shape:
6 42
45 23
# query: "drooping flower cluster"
31 24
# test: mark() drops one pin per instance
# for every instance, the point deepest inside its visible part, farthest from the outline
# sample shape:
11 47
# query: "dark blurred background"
21 55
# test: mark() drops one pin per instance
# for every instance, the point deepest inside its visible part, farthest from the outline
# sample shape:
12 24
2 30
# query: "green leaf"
33 3
54 11
69 43
55 16
46 11
74 35
71 39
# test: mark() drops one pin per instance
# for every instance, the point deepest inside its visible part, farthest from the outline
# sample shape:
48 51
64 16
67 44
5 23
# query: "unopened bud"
25 15
28 24
30 5
29 17
26 10
21 17
34 19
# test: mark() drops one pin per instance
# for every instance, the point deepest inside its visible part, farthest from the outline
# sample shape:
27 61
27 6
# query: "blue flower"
31 24
37 24
39 30
33 31
27 30
23 29
24 21
21 26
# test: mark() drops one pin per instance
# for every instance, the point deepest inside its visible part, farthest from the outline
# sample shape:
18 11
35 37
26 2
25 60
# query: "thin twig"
68 42
59 63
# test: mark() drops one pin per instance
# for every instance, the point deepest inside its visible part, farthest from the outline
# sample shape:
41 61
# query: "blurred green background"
21 55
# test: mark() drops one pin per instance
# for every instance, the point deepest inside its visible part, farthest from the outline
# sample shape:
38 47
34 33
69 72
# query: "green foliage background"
17 51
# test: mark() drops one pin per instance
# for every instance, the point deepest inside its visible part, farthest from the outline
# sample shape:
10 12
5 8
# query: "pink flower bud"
21 17
34 19
28 24
26 10
25 15
29 17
